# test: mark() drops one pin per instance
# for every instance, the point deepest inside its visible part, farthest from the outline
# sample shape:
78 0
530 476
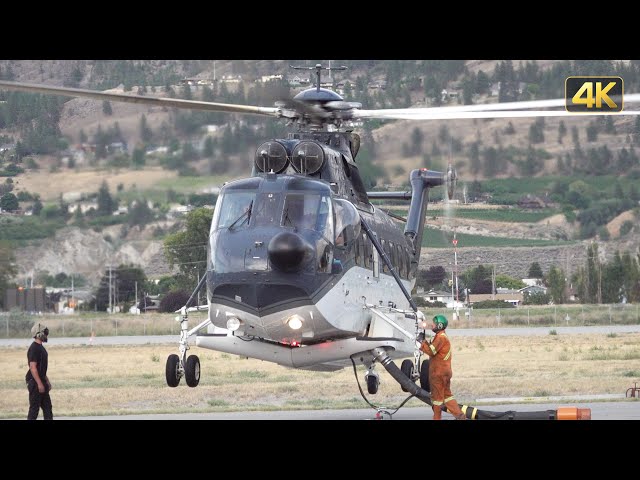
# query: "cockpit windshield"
235 209
298 210
308 211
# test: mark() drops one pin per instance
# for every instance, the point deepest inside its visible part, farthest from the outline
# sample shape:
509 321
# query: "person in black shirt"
37 381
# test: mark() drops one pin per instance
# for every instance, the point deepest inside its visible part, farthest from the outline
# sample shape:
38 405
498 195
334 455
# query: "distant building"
533 290
117 147
83 206
437 296
512 298
25 299
297 80
7 147
532 201
179 210
270 78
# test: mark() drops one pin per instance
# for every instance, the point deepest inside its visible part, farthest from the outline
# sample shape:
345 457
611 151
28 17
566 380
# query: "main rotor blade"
443 113
407 115
141 99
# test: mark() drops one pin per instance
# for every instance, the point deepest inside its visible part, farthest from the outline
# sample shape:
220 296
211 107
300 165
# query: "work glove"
421 337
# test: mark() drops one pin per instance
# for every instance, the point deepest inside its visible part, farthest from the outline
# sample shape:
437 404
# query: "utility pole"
455 300
599 282
493 281
198 270
136 307
110 311
72 294
455 258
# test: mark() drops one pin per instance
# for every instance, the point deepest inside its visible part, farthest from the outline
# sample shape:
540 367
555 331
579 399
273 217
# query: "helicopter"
303 270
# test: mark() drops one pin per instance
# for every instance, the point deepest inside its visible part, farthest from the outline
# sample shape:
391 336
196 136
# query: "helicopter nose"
288 251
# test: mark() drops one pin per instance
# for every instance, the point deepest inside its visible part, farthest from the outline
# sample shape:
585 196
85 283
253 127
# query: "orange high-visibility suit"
440 376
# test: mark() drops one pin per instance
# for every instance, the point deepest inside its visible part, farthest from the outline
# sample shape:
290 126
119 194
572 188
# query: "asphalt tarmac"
624 410
600 408
453 332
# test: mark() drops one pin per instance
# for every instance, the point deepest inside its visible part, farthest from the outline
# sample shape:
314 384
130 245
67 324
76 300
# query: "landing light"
233 323
295 322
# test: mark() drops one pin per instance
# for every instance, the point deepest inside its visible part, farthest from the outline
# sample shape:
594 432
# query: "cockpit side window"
235 209
266 209
305 211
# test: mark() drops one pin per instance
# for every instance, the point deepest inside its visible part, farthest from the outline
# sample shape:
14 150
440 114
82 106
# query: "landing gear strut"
373 380
179 366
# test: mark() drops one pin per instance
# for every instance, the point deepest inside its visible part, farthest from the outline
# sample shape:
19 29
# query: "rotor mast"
318 68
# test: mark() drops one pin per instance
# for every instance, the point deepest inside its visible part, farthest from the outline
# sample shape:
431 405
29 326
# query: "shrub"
173 301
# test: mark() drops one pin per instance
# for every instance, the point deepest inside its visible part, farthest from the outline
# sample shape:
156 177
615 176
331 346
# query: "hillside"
503 147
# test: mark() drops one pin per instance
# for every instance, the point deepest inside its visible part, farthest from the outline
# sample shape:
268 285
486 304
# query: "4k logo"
594 94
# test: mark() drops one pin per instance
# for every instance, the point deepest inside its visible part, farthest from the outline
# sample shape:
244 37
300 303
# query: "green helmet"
441 322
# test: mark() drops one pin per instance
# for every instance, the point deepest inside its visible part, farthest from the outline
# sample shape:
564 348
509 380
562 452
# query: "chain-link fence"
17 324
541 316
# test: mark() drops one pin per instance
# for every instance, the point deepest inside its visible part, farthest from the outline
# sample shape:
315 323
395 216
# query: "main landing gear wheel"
424 375
373 382
407 368
192 371
173 370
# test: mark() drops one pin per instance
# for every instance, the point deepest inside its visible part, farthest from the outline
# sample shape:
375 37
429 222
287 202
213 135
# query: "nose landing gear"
373 380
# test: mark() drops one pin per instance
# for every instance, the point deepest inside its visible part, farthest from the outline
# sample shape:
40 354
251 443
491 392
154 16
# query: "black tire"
407 368
372 384
192 371
173 363
424 375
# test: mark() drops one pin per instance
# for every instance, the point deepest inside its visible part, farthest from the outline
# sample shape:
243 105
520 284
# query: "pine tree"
106 204
145 132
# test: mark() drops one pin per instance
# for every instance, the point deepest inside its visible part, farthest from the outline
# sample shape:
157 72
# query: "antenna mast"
318 68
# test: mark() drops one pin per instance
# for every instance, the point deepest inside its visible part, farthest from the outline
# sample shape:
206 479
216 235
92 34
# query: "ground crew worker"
439 349
38 383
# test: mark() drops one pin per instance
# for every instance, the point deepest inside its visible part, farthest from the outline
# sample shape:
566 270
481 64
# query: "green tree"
138 157
536 298
482 83
557 285
106 203
37 207
475 163
505 281
9 202
626 227
631 275
123 281
536 131
145 131
208 147
139 213
7 269
188 249
562 131
478 280
613 280
431 278
535 271
78 218
509 129
173 301
416 141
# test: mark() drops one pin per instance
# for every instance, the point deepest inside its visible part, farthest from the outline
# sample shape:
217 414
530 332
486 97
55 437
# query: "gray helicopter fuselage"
288 245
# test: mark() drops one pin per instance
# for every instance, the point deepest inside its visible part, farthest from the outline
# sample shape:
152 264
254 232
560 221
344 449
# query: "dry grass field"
99 380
